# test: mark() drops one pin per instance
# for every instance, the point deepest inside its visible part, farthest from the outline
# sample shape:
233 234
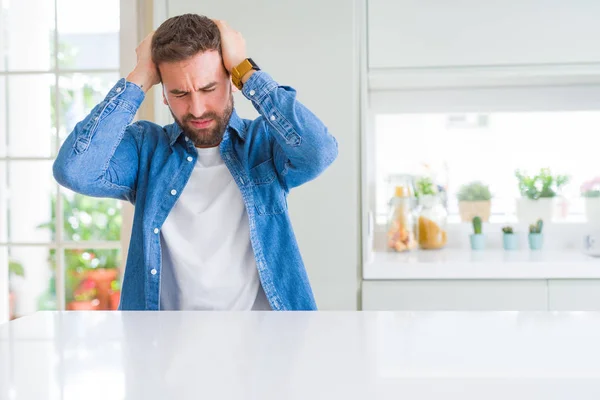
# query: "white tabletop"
319 355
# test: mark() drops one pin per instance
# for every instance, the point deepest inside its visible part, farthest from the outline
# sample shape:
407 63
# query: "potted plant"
510 240
85 297
14 269
103 277
115 294
477 237
590 190
474 200
537 194
536 238
424 186
90 219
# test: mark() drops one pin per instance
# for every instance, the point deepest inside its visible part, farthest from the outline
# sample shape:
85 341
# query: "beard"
206 137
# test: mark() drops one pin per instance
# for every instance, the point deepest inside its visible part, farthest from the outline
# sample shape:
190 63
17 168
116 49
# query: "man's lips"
200 123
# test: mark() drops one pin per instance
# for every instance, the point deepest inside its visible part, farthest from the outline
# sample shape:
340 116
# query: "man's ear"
233 87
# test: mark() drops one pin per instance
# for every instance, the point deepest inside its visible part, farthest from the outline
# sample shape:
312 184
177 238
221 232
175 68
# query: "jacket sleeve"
303 147
100 157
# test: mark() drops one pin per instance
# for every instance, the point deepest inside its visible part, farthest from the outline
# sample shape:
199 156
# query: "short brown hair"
182 37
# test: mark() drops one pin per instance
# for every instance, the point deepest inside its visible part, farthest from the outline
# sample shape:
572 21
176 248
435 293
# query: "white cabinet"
475 33
574 295
490 280
454 295
475 295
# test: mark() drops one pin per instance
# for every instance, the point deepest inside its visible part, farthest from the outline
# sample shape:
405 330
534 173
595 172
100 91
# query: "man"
211 229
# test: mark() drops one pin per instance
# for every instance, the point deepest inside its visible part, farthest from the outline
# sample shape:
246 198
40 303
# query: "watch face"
254 66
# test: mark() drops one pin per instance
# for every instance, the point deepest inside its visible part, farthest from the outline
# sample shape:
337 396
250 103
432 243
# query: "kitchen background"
444 111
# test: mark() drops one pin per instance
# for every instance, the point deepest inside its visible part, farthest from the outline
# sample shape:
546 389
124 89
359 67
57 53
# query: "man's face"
198 93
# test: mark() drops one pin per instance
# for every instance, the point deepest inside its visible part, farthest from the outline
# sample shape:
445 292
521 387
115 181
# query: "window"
63 249
457 135
456 149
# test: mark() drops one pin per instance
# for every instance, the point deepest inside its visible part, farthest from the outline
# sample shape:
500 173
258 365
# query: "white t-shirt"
207 258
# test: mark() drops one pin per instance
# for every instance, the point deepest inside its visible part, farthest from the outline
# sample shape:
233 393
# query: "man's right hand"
145 73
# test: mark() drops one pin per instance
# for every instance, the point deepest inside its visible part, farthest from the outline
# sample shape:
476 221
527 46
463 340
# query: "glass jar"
433 218
402 218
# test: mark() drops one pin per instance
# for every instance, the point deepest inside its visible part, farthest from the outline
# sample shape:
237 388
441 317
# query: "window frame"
464 90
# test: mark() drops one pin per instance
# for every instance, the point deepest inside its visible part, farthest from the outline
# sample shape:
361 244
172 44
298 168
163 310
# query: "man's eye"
181 95
209 90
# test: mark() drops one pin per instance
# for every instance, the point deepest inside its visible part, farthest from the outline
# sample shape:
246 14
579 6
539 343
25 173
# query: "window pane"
88 41
26 35
458 149
31 280
30 106
90 218
3 202
92 279
79 93
3 113
30 187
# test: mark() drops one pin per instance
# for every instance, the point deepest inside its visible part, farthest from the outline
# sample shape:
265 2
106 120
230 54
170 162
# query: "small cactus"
477 225
537 227
508 230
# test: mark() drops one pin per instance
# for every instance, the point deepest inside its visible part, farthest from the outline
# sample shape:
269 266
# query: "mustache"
207 115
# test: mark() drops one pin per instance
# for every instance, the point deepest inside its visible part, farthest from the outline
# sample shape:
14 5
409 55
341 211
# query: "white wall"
312 46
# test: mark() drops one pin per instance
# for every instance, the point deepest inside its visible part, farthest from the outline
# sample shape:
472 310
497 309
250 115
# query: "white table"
322 355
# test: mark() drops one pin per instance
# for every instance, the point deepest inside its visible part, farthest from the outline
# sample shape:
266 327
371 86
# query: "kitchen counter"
303 355
486 264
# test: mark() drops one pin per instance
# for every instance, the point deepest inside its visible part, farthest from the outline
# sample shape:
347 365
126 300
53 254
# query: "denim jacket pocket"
269 196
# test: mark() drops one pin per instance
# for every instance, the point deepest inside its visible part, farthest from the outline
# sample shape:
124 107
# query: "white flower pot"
592 210
529 211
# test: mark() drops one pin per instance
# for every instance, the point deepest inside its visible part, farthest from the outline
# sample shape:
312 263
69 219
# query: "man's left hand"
233 45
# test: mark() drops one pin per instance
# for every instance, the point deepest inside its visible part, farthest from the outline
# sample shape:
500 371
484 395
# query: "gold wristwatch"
238 72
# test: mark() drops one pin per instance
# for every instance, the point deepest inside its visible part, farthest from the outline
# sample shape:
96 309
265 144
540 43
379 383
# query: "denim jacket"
149 165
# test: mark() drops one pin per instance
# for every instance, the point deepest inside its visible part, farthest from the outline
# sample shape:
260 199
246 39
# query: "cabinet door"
416 33
574 295
455 295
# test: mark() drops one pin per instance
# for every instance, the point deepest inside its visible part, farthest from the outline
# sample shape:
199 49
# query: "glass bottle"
433 218
402 217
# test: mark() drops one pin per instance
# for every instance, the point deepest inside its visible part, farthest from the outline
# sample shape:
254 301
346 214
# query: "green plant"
591 188
474 191
86 219
115 285
15 268
591 194
86 291
425 187
537 227
477 228
508 230
542 185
